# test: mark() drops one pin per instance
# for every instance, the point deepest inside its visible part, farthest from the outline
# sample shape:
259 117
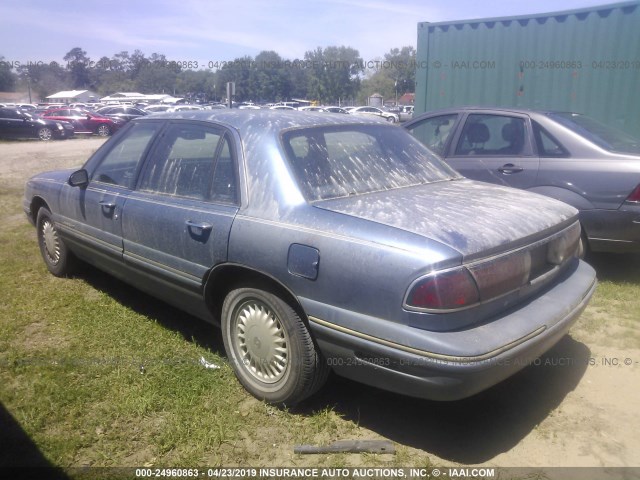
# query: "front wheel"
270 348
45 134
57 257
391 119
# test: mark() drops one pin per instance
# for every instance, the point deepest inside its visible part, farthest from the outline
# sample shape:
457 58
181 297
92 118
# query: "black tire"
57 257
391 119
270 348
45 134
103 131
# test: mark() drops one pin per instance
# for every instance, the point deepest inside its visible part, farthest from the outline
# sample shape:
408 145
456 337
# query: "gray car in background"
567 156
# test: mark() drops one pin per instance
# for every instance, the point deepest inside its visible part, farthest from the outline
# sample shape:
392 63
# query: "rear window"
602 135
333 162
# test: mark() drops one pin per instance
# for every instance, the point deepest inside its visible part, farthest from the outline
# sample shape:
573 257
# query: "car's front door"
92 216
176 224
14 124
495 148
435 132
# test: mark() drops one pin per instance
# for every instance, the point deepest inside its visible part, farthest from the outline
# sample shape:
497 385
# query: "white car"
379 112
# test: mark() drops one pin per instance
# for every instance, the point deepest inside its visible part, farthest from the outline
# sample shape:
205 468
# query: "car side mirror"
88 117
79 178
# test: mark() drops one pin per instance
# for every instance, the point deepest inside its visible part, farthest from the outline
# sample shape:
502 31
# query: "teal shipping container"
585 61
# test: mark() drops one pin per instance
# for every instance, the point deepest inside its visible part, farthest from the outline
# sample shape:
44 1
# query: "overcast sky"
210 31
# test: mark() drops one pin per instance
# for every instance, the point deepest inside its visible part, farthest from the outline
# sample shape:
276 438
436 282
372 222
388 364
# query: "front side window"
192 161
334 162
435 131
492 135
119 166
8 113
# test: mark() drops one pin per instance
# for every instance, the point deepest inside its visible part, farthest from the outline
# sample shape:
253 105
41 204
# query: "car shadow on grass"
469 431
616 267
19 455
191 328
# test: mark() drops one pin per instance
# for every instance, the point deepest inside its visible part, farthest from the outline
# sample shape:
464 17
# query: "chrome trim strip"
424 353
144 260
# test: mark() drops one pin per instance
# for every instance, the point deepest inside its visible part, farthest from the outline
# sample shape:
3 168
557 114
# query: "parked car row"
85 121
15 123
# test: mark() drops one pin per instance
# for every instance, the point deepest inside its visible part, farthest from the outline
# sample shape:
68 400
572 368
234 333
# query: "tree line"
328 75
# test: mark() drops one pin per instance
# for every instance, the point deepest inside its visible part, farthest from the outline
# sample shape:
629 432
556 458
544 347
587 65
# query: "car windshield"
333 162
598 133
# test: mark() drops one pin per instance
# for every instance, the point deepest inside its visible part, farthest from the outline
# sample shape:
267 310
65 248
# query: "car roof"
247 120
472 108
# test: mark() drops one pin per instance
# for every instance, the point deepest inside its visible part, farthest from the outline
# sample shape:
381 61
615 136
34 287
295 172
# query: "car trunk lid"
474 218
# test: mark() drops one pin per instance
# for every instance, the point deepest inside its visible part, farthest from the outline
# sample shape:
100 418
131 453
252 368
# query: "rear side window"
546 144
192 161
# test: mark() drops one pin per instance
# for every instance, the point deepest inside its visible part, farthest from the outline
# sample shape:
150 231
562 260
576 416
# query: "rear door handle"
510 168
107 204
198 227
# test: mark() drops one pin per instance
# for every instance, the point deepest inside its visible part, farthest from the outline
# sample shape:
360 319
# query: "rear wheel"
270 348
57 257
45 134
103 130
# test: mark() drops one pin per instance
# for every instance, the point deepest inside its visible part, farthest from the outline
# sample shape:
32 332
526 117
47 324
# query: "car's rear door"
495 148
176 224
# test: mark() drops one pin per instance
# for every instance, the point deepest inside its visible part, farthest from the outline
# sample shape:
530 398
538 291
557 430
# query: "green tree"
393 75
196 85
78 67
157 75
7 77
239 71
270 77
45 78
333 73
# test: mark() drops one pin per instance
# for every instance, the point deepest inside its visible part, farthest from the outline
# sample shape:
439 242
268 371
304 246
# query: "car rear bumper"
397 367
613 230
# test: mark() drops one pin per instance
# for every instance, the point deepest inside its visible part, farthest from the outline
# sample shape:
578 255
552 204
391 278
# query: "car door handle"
106 204
199 227
510 168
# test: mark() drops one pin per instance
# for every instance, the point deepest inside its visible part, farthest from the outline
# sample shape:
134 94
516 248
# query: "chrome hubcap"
51 242
261 341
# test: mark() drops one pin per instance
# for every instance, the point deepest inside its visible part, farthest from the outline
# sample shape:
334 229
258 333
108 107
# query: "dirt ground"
578 407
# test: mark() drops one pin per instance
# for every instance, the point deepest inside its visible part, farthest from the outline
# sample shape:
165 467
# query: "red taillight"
502 275
635 195
444 291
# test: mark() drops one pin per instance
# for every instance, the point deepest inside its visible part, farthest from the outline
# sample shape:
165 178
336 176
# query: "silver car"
376 111
318 243
566 156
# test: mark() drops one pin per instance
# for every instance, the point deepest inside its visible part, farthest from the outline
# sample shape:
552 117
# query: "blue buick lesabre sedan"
318 243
